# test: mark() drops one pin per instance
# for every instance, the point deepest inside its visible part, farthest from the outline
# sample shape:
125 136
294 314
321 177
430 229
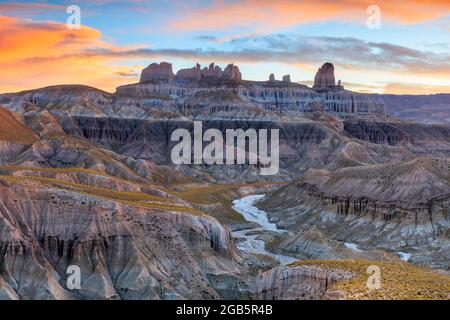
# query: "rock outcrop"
194 73
287 78
284 95
298 283
271 77
124 250
348 280
231 72
324 79
155 71
222 90
404 204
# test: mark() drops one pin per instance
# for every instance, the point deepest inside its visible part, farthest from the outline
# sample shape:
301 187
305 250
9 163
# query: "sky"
393 46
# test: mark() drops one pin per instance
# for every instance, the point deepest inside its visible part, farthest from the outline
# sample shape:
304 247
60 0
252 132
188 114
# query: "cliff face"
347 279
298 283
303 145
155 71
192 98
210 91
273 96
432 109
142 145
396 207
422 140
125 249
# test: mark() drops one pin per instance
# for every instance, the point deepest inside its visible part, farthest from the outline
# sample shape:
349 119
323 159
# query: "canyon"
87 179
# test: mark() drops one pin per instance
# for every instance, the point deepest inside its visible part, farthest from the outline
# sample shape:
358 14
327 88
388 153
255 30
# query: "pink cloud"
266 14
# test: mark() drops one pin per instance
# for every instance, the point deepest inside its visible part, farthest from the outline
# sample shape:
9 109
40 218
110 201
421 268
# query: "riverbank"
248 240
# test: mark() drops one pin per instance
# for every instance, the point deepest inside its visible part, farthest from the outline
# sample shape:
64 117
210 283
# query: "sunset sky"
410 53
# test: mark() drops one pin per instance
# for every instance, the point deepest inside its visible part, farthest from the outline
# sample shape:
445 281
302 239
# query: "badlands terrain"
86 179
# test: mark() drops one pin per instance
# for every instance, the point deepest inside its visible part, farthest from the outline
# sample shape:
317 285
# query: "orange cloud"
407 88
48 53
264 14
20 40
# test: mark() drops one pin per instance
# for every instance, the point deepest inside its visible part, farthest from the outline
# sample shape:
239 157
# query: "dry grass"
54 170
215 193
399 280
126 197
187 189
23 170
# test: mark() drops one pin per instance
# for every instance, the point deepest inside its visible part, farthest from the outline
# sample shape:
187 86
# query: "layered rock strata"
298 283
394 207
124 251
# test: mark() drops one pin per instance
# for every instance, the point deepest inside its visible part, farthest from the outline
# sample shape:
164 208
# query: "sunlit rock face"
194 73
213 72
324 79
232 72
325 76
157 71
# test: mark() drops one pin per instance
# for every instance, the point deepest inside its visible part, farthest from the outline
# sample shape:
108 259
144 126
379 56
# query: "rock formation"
325 76
213 72
155 71
327 94
383 199
336 280
232 72
194 73
298 283
287 79
105 239
324 79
